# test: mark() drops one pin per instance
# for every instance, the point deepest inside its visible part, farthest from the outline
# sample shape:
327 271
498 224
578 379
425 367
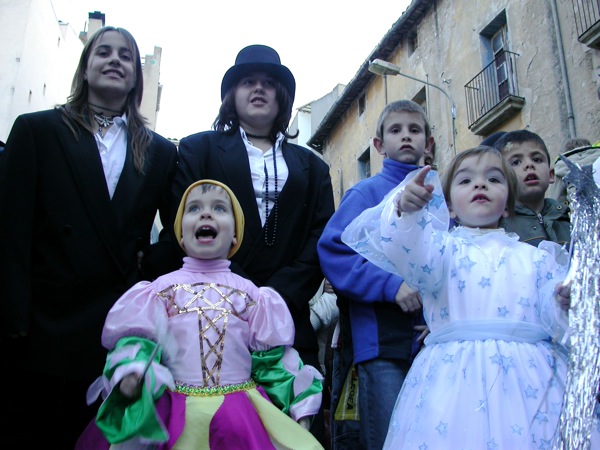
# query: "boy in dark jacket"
537 218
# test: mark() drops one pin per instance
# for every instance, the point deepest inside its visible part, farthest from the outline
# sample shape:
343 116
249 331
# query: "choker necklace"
271 223
255 136
104 121
119 111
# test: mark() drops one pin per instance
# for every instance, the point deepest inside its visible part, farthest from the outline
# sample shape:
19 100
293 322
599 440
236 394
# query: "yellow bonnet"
238 214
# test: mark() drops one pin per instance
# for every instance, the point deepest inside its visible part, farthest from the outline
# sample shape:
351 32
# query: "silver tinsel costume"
583 374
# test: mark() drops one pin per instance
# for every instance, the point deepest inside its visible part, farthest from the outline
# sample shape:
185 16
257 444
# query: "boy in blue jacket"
378 311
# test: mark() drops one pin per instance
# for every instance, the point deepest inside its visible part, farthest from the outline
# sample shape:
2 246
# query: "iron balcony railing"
494 83
587 14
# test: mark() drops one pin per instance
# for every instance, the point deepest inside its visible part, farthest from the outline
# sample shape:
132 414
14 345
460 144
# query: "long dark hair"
229 122
78 112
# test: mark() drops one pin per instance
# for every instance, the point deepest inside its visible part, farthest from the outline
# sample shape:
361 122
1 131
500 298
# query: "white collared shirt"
113 149
258 161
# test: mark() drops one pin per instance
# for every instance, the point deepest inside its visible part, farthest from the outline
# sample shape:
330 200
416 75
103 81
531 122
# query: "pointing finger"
420 177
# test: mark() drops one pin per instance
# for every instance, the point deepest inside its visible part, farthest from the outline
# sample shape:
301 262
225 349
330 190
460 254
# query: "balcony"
587 21
493 94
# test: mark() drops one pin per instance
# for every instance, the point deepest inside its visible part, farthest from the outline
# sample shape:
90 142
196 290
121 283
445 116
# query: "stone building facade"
477 68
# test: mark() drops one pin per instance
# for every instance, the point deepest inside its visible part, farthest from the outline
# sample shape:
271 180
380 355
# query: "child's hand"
416 193
424 330
408 299
131 386
563 295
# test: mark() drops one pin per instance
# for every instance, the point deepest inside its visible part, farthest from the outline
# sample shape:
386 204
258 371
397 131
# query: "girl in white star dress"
491 374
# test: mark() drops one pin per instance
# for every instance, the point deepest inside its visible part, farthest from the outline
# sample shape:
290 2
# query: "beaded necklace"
271 225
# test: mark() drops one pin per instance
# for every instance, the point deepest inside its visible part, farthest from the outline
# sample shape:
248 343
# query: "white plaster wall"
150 100
38 57
301 123
37 61
308 117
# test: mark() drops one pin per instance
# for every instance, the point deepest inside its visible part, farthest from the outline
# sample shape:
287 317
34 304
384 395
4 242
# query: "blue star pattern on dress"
484 282
491 445
502 312
466 263
437 201
531 392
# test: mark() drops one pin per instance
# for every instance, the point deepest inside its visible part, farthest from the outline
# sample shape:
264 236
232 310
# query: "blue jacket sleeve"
349 273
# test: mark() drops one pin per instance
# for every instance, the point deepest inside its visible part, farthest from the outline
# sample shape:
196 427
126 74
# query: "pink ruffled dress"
209 322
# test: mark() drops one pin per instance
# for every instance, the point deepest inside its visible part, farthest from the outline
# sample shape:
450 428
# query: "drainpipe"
563 71
427 95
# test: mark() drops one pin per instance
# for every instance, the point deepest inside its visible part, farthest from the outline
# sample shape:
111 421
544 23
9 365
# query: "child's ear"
378 144
505 213
552 177
234 241
429 145
452 213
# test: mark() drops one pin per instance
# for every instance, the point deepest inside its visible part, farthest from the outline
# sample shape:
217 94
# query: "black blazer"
67 251
291 265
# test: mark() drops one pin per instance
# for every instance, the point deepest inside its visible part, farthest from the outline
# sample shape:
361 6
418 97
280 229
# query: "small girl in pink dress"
193 352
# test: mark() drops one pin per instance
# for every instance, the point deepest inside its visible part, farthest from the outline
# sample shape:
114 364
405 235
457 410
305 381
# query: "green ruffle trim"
121 418
278 383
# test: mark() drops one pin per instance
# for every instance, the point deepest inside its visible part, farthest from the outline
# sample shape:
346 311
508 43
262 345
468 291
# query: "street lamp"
383 68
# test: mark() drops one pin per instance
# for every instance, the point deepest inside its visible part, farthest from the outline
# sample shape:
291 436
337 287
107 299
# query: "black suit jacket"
67 251
291 265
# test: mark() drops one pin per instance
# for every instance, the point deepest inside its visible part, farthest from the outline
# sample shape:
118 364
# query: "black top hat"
258 58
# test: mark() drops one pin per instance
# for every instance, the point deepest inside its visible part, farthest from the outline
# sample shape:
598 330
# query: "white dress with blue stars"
491 375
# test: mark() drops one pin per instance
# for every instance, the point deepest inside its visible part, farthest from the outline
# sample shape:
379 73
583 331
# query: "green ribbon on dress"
269 373
121 418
